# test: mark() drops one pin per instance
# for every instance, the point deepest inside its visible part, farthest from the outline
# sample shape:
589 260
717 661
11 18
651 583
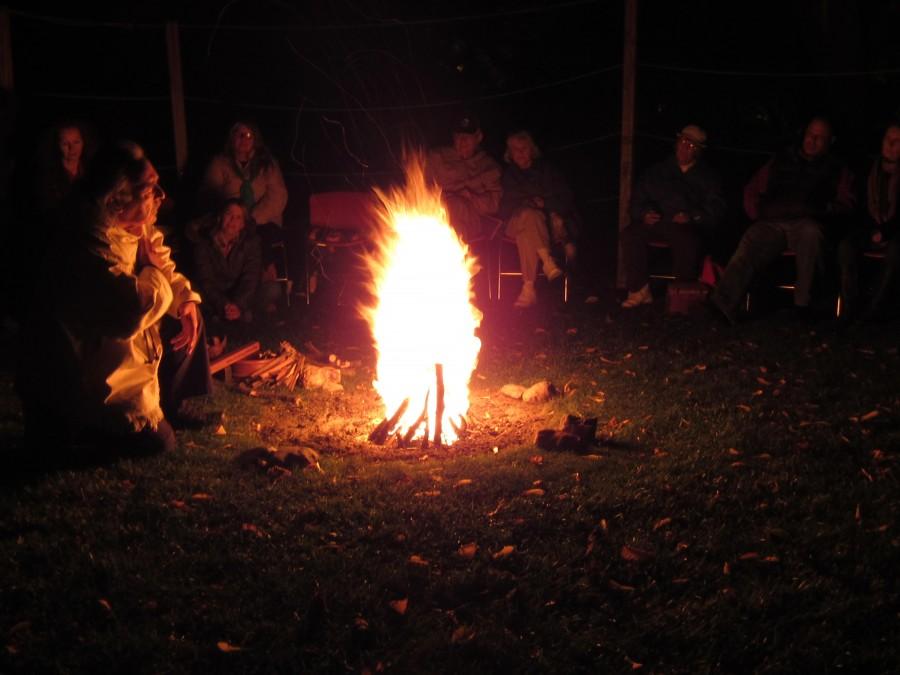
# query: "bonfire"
422 318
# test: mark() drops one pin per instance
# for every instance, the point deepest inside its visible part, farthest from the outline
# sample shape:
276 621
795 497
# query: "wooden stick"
407 437
233 357
439 407
380 433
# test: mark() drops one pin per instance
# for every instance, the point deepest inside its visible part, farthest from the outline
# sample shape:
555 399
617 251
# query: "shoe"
527 298
552 271
636 298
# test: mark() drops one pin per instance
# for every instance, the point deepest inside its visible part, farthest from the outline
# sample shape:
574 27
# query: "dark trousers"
684 240
850 251
182 375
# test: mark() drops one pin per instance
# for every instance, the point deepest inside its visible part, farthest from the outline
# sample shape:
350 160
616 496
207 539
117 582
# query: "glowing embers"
422 319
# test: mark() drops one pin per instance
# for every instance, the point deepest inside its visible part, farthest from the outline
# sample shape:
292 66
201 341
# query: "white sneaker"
641 297
551 270
527 298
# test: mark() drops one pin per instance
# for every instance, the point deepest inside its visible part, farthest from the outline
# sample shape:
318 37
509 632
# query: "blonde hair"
521 135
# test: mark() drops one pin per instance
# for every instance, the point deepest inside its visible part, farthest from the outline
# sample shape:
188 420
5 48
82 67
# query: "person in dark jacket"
875 229
229 264
534 195
678 201
793 199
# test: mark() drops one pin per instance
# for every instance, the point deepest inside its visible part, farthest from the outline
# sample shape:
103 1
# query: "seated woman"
246 170
114 339
228 263
533 194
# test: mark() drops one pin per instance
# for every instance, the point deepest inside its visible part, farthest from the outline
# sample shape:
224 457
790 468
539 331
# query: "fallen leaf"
635 554
616 586
227 647
416 560
751 555
104 603
734 452
178 504
726 569
533 492
250 527
634 664
463 481
468 551
220 430
763 381
201 497
659 452
872 414
462 634
503 552
399 606
743 408
662 522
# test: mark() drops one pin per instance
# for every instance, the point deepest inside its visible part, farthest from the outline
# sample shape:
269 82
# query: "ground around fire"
738 512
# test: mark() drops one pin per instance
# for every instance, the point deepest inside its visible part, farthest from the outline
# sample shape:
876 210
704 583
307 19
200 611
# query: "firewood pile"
288 368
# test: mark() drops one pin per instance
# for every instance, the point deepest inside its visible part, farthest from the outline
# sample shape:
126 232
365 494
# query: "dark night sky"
340 86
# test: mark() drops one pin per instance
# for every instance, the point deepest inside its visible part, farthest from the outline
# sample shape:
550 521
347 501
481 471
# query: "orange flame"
422 313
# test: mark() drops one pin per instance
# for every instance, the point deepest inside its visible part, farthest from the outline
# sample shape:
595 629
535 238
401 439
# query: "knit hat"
468 124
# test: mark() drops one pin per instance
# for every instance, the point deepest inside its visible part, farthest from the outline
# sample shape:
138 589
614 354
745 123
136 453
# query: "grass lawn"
740 512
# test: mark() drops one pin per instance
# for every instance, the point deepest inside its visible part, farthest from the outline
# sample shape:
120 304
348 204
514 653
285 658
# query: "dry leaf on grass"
463 481
201 497
178 504
872 414
503 552
399 606
462 634
253 529
104 603
227 647
635 554
623 588
416 560
533 492
750 555
662 522
467 551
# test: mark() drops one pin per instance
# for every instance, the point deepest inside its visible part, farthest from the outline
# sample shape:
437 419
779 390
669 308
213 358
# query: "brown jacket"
479 176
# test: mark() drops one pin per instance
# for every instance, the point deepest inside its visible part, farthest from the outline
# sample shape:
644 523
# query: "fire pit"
422 318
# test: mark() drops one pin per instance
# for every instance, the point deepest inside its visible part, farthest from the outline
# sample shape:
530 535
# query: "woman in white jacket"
90 370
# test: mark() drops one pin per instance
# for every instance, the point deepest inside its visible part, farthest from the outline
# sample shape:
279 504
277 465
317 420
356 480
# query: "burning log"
380 433
233 357
439 407
408 436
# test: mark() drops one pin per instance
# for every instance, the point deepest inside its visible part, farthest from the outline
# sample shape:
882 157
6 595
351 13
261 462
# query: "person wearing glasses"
114 342
246 170
679 202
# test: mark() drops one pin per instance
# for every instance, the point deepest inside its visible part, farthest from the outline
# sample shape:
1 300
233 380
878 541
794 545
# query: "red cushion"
343 210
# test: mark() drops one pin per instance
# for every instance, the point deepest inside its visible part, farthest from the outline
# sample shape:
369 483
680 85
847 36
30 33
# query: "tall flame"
422 314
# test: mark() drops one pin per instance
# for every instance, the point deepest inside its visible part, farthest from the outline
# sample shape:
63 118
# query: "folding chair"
791 257
508 264
337 221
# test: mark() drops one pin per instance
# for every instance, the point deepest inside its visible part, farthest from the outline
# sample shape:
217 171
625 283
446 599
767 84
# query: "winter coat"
223 181
93 348
667 189
479 175
539 180
234 278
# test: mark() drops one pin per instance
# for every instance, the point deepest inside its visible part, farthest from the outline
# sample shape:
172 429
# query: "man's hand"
232 311
190 328
652 217
681 218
